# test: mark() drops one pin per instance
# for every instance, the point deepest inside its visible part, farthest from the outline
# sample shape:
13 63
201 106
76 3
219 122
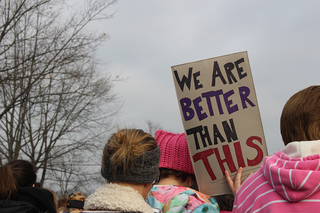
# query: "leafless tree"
54 100
69 174
152 127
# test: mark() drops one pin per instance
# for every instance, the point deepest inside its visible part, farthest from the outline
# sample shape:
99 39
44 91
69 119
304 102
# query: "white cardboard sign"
221 118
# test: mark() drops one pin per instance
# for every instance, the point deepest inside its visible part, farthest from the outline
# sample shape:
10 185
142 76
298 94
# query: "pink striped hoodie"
288 181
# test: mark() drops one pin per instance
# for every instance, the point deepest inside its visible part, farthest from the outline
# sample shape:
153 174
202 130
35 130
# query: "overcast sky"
148 37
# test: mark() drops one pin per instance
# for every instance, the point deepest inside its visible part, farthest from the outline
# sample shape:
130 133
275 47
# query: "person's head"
174 156
131 156
225 202
300 119
62 202
17 173
76 201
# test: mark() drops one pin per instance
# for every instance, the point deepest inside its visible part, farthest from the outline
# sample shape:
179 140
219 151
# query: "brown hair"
62 202
125 146
300 119
225 202
164 172
17 173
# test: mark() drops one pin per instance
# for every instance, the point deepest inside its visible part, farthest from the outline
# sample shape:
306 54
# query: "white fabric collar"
302 149
117 197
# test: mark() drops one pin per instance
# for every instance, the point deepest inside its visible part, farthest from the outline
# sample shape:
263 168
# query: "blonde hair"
300 119
76 201
125 146
76 196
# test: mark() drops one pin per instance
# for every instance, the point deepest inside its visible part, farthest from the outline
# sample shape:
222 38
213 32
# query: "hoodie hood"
302 149
295 179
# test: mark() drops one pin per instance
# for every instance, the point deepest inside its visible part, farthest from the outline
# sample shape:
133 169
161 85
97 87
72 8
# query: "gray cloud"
148 37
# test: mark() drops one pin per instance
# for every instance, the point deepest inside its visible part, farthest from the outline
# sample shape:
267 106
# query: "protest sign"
221 118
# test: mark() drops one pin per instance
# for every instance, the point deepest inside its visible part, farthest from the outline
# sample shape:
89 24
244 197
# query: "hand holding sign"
235 185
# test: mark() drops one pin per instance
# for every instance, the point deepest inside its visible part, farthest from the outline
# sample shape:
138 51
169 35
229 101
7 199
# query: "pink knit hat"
174 152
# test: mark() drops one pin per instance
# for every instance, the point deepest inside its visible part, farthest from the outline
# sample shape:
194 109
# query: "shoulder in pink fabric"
282 184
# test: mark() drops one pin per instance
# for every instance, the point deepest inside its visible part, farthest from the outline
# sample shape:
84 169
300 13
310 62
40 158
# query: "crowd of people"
149 174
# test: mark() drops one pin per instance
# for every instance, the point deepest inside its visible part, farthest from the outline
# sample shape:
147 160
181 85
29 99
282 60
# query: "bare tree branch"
54 100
